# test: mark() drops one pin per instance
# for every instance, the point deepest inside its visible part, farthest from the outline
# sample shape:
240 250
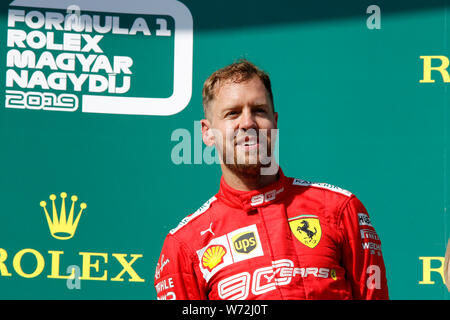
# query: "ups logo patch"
245 242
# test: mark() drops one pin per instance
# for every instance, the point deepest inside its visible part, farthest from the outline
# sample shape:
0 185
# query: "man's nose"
247 120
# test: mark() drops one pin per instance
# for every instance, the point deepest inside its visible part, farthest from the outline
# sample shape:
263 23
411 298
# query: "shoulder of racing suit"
321 185
199 212
334 198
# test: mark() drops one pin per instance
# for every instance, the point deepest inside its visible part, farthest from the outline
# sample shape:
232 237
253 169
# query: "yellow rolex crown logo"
64 227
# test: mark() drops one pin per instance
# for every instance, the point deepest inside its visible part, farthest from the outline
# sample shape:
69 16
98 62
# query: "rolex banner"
101 146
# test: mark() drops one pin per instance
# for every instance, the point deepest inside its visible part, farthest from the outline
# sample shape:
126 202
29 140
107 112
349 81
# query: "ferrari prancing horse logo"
307 230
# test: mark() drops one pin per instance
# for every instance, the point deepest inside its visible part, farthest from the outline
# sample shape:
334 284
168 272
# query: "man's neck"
244 182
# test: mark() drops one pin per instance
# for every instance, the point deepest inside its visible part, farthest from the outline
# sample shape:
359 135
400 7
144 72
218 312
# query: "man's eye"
231 113
261 110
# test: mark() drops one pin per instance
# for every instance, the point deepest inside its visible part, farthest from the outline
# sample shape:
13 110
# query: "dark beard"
247 169
250 170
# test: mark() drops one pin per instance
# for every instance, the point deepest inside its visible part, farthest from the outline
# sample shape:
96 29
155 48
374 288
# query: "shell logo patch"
213 256
307 229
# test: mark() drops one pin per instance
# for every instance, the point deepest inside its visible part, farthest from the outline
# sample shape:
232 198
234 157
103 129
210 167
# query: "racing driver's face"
240 123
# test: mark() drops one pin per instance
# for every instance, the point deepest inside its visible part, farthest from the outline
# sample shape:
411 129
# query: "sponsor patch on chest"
238 245
307 229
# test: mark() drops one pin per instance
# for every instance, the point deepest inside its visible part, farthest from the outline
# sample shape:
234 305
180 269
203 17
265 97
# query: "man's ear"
207 133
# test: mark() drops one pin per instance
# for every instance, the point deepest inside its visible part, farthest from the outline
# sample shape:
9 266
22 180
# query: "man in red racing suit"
263 235
290 240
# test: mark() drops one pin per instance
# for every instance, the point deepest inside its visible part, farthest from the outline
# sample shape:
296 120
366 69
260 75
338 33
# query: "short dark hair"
238 71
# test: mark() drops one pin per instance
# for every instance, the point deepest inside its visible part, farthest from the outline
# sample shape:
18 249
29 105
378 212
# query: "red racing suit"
292 239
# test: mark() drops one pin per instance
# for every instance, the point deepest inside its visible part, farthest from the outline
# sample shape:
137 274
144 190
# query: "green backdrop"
352 113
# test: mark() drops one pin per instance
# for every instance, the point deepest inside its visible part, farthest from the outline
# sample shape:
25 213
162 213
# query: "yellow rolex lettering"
94 265
3 256
134 277
427 269
55 266
18 260
427 68
87 265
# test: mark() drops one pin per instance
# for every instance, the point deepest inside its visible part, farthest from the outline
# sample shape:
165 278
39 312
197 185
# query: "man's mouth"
248 142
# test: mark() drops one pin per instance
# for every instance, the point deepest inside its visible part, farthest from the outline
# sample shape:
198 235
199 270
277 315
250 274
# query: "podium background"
352 113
